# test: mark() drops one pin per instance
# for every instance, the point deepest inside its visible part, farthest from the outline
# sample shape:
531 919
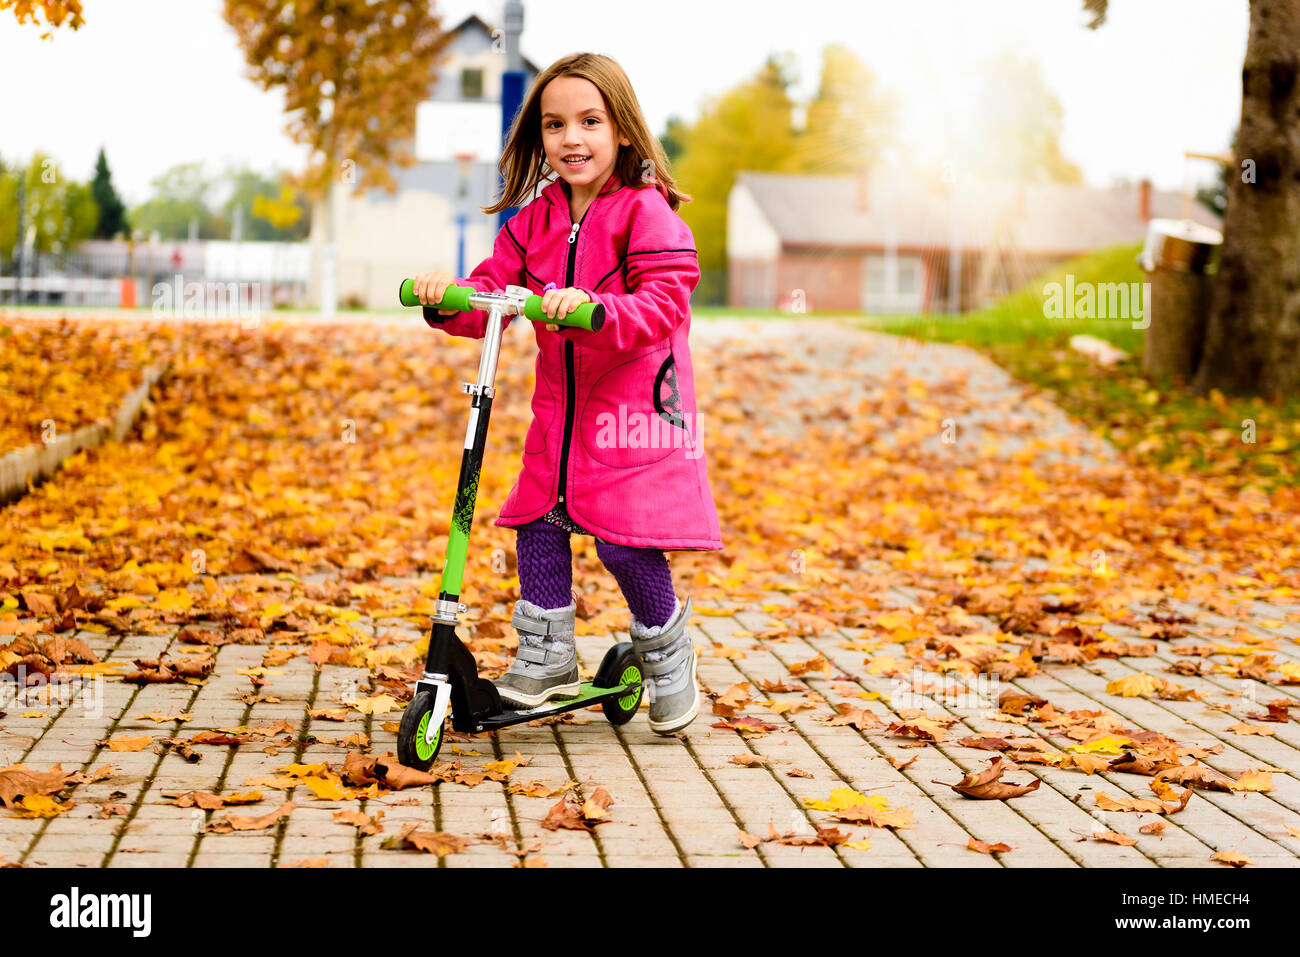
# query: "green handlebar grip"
590 315
453 297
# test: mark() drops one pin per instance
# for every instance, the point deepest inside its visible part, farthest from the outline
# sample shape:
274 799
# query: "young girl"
614 449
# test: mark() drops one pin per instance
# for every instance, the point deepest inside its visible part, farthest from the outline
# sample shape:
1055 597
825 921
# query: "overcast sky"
160 82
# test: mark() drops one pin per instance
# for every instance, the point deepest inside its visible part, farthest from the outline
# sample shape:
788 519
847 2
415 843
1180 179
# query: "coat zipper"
571 386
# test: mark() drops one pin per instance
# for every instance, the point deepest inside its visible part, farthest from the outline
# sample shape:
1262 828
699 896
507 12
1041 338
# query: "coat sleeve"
662 272
505 267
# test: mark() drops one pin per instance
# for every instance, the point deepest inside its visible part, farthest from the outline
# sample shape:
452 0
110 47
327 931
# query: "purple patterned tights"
546 572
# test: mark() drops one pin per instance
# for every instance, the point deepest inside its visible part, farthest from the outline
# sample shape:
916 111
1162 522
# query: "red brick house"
882 244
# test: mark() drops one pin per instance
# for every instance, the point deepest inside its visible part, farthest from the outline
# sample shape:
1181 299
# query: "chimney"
1144 200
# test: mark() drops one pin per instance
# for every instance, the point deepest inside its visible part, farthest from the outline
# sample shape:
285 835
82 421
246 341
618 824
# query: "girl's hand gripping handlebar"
516 300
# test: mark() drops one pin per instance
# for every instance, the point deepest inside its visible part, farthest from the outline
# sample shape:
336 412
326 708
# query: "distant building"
885 244
381 237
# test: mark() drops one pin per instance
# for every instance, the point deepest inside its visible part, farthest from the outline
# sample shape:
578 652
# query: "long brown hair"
523 161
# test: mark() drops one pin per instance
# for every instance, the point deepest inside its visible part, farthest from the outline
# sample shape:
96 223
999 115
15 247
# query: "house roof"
1046 218
474 20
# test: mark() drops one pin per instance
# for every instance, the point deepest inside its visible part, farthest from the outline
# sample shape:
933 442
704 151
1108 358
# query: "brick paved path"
677 801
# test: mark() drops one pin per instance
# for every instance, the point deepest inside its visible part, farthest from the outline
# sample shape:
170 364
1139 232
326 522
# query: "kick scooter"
451 677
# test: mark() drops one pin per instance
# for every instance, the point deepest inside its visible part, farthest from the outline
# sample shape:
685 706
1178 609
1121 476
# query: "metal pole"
891 245
329 261
512 83
954 254
460 244
463 208
18 250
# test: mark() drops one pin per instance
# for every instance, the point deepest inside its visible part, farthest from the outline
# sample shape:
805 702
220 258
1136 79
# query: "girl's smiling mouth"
576 160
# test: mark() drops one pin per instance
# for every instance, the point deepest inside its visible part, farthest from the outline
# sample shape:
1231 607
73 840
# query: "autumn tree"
57 211
48 13
273 211
751 127
746 128
671 138
849 120
352 73
1017 124
1252 342
181 195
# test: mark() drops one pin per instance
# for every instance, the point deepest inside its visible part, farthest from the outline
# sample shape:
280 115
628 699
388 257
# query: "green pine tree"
112 212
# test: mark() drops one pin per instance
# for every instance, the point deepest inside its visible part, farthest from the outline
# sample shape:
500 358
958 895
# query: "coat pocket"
632 416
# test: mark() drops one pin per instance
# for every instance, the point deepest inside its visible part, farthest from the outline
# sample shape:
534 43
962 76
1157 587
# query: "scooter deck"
588 695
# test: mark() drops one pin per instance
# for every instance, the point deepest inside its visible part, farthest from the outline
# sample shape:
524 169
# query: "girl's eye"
554 123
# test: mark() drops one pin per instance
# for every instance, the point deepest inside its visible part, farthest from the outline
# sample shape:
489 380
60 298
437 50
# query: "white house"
382 237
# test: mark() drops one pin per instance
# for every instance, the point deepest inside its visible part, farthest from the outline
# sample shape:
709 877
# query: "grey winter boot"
669 658
546 665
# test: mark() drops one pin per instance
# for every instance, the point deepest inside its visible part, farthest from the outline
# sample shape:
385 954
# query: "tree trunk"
1252 342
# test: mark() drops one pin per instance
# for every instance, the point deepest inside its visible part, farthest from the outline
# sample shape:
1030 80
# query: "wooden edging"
21 469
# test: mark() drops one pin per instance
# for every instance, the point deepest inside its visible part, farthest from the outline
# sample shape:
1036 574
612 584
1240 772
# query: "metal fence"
115 273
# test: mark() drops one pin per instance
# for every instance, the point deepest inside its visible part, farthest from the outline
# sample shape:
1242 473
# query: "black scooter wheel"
620 666
417 744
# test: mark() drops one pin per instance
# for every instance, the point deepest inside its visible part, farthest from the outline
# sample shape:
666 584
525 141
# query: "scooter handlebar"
590 315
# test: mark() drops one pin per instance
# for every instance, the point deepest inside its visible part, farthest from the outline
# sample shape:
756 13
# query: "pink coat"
615 427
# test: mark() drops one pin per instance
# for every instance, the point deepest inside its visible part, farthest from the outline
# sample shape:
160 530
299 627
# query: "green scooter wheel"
620 666
417 743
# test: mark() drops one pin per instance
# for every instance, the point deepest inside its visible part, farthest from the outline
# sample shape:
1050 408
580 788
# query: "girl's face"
576 126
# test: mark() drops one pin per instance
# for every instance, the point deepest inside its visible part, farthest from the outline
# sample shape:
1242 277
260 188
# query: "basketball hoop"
465 160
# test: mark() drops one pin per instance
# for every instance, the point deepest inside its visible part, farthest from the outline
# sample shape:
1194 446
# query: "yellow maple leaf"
781 707
378 704
282 783
1107 744
303 770
884 665
174 599
1134 686
258 671
726 651
1231 857
1254 781
328 789
841 798
40 805
98 668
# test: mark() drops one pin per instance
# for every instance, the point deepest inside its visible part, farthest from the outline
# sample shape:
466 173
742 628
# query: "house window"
896 286
471 84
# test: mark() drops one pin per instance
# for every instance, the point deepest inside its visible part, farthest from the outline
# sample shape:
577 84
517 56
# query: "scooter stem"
482 392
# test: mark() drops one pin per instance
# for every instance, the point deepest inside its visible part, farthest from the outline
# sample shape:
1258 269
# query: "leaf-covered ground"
58 376
901 522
